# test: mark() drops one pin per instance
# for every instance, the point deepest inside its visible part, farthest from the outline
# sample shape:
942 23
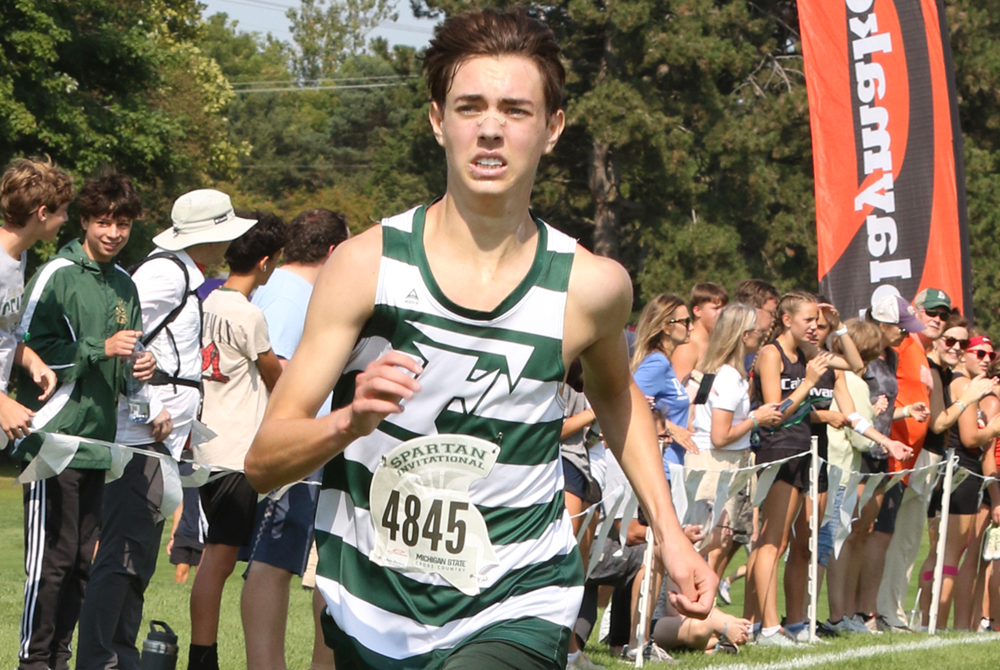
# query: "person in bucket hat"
203 224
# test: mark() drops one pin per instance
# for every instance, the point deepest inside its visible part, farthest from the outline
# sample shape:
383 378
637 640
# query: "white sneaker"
724 592
779 639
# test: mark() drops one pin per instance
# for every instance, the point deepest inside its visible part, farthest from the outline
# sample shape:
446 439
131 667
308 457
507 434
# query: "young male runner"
82 318
238 369
34 196
203 224
283 536
494 304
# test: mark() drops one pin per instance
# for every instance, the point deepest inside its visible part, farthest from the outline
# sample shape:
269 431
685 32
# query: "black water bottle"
159 649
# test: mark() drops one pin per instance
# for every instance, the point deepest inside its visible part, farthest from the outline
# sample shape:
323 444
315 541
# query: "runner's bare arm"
598 305
291 442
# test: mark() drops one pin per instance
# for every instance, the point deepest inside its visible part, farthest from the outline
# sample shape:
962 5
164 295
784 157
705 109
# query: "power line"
292 89
399 77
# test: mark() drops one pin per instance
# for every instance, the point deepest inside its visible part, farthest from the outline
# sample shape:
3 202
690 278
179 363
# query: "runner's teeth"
490 162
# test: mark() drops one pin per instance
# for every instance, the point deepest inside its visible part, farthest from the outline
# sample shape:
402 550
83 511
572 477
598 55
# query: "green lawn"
169 601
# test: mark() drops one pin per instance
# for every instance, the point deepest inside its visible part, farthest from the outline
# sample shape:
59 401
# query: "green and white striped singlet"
485 374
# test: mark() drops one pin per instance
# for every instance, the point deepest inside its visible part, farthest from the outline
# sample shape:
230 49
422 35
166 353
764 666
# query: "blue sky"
265 16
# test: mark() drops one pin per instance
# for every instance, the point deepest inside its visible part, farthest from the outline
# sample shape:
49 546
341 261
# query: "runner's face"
105 236
951 355
802 324
494 126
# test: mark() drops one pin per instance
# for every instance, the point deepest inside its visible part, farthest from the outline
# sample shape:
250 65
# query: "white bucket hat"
202 217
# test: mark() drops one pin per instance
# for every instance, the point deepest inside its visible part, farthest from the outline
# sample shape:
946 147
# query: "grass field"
169 601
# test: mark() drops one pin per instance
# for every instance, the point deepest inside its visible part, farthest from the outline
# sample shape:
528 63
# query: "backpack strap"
175 312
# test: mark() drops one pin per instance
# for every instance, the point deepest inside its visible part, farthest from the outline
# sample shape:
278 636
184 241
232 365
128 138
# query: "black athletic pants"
62 519
126 559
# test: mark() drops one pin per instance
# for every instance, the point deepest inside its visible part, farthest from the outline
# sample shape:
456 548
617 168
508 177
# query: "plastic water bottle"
159 649
137 391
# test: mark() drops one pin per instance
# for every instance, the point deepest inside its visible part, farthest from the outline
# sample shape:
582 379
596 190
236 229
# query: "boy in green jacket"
82 317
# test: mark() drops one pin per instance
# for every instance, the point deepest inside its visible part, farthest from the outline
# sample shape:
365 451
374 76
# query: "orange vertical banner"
887 151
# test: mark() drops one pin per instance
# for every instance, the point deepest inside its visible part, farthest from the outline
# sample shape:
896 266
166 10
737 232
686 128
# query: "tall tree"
116 83
328 31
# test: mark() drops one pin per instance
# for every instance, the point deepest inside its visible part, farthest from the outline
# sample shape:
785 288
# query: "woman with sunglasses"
945 354
968 437
664 324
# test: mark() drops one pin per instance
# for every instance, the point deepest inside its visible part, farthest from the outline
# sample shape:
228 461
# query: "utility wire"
307 89
380 78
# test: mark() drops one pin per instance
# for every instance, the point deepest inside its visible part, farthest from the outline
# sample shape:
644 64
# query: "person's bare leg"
322 658
796 580
969 585
217 563
264 607
181 573
959 529
777 513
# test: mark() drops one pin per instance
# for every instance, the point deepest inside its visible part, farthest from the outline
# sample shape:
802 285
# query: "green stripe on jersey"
428 604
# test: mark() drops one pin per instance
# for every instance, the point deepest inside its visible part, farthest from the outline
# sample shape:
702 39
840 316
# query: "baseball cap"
893 309
930 298
203 216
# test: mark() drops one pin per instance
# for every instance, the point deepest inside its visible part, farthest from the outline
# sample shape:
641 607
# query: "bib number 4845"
412 529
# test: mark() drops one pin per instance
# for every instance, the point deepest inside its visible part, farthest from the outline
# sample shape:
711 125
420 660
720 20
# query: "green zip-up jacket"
72 305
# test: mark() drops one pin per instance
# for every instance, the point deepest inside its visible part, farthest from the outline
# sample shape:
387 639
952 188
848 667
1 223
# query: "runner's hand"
898 450
144 367
15 418
162 426
380 391
995 515
121 343
696 582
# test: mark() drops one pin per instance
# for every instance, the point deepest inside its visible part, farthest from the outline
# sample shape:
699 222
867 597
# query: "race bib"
423 517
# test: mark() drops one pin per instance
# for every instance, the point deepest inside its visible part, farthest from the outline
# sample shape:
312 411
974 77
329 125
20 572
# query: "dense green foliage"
687 153
114 83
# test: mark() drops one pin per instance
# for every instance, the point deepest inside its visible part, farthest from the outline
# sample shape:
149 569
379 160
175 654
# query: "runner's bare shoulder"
600 296
347 285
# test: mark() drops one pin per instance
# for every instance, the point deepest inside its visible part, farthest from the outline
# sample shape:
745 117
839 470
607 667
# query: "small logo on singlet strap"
411 298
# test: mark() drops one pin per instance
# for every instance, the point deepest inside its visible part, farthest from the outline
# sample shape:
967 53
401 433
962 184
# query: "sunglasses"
686 321
982 353
950 342
940 312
